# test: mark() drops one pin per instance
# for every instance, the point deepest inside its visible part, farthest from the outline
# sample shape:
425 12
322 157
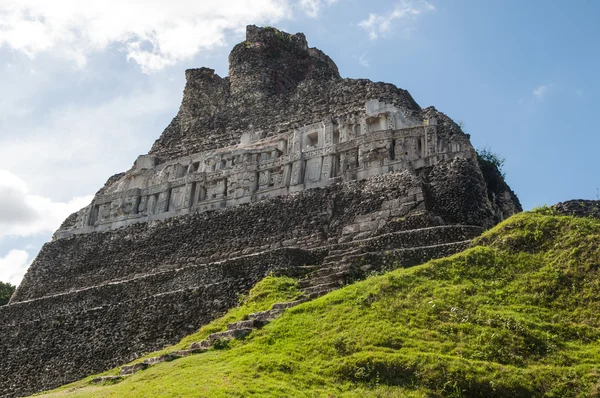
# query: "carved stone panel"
163 202
176 199
431 141
275 179
364 127
313 169
296 173
326 168
391 119
130 205
83 217
188 199
152 199
216 189
296 147
143 206
328 134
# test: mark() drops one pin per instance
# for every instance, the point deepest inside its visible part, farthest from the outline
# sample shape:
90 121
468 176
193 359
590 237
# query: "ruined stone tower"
277 166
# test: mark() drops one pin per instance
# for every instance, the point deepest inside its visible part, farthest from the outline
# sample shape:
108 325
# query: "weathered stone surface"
131 369
106 379
579 208
281 167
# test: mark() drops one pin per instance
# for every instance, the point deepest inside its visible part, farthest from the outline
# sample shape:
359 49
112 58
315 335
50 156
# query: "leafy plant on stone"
486 156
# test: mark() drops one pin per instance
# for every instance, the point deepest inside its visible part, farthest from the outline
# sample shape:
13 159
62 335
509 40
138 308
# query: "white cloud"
312 8
406 10
13 266
153 33
364 61
77 147
541 91
23 213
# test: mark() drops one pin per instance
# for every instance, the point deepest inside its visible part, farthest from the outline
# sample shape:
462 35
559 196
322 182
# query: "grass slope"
516 315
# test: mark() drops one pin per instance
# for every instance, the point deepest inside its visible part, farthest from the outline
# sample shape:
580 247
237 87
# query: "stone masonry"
283 167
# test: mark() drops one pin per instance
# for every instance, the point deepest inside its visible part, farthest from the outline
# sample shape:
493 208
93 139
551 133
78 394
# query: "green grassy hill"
517 315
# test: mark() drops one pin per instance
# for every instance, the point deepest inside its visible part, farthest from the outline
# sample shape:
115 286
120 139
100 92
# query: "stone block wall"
307 219
137 288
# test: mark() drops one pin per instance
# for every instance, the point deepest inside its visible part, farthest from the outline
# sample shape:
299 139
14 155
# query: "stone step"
334 252
413 238
131 369
229 334
170 356
103 379
337 276
226 335
426 253
201 345
343 254
159 359
318 293
331 286
333 269
289 304
265 315
300 270
249 324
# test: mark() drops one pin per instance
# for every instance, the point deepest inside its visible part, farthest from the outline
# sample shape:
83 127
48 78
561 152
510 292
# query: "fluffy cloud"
13 266
363 60
541 91
76 147
313 7
23 213
153 33
406 10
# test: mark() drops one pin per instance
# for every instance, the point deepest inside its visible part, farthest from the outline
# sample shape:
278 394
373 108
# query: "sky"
86 86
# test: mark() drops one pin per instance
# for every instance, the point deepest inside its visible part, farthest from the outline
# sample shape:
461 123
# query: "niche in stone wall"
283 146
336 137
153 201
312 140
313 169
337 167
194 167
179 170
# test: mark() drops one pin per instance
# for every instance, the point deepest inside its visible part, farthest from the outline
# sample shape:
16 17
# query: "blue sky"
84 90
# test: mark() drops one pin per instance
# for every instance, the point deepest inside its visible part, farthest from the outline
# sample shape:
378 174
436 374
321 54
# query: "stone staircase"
236 330
343 264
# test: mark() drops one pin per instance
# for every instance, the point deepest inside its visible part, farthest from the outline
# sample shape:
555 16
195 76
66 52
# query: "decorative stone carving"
308 154
313 169
326 168
163 202
296 173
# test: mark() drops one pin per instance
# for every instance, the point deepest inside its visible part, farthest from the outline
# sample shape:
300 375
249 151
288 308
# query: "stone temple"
281 167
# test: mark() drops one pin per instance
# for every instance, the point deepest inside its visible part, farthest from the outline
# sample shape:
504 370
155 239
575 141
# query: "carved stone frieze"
349 146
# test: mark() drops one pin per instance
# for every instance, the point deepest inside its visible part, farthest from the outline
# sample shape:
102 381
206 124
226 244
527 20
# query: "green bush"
487 157
6 291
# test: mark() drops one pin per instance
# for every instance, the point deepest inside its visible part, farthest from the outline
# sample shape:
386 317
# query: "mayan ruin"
281 168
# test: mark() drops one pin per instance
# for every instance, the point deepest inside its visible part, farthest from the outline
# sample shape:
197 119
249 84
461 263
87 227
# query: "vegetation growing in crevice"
491 160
